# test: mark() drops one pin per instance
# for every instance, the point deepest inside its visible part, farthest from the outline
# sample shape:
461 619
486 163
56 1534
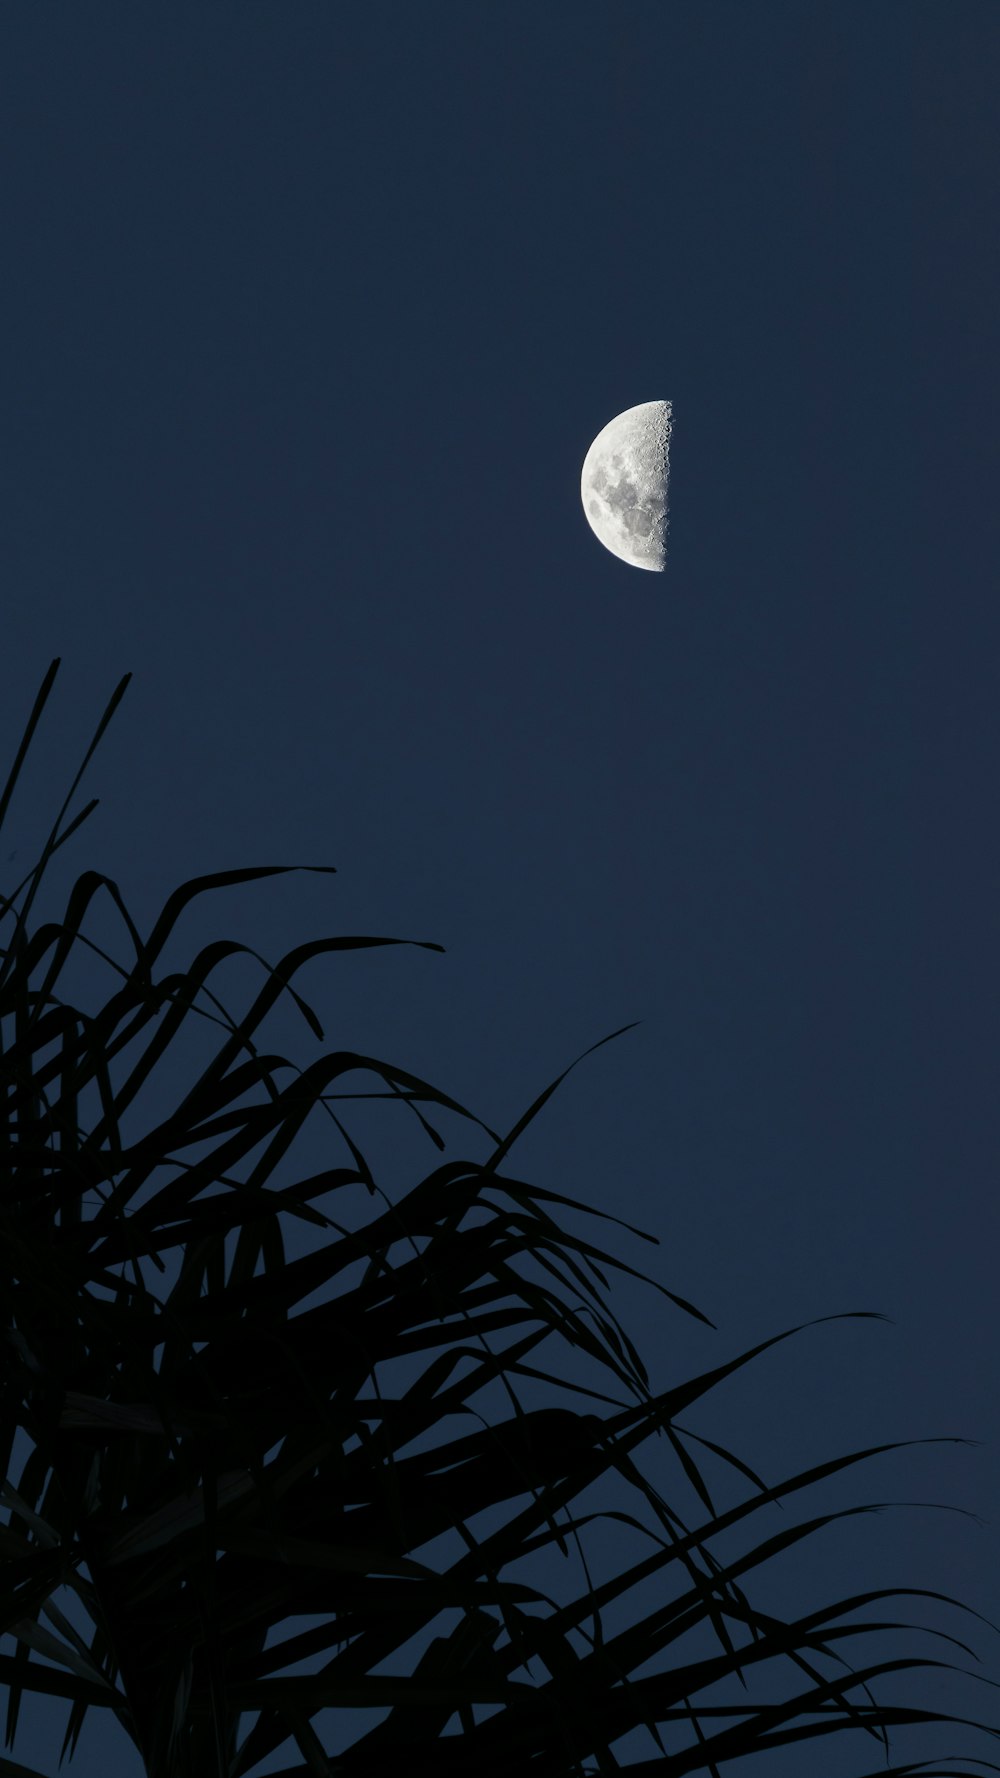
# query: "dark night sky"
309 314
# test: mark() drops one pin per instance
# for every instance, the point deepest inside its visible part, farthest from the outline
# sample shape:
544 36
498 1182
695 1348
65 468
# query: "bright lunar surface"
624 484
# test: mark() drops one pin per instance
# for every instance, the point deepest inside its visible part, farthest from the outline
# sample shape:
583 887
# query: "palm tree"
207 1460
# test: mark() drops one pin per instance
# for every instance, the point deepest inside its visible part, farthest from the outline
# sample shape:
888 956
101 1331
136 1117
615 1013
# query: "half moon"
624 484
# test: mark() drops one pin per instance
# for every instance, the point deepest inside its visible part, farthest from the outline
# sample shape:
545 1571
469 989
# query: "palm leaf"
207 1460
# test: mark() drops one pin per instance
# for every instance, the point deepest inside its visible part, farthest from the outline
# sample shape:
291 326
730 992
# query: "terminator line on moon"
624 484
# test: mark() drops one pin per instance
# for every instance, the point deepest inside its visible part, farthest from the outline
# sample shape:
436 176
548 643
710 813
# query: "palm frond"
208 1460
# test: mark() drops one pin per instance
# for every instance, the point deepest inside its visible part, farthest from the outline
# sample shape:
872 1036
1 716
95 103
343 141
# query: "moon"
624 484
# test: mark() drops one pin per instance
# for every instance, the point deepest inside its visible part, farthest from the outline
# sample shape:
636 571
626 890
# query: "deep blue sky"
309 314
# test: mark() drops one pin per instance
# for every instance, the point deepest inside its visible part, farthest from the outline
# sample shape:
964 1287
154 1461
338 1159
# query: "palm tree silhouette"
207 1459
